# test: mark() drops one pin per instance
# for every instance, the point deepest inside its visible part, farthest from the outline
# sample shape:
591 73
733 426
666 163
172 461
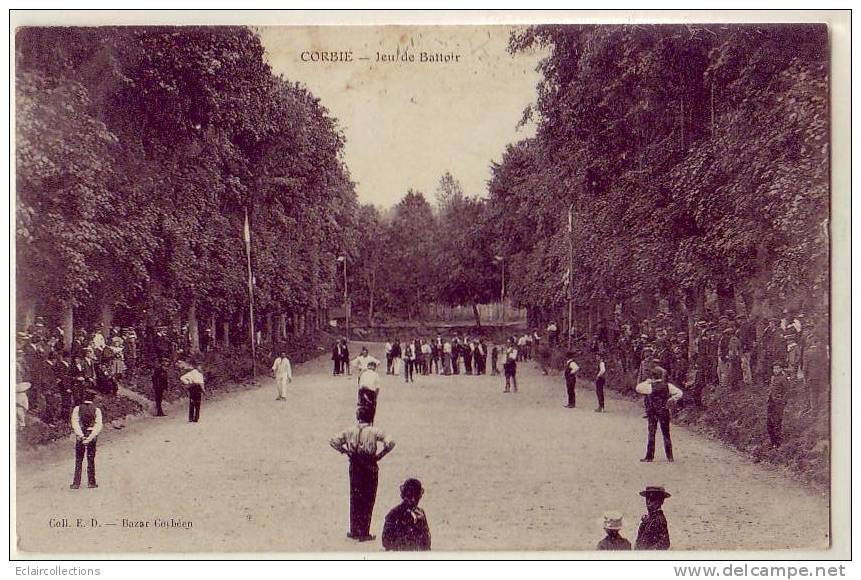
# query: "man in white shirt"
659 394
361 361
282 370
388 357
193 381
369 389
86 424
571 368
361 445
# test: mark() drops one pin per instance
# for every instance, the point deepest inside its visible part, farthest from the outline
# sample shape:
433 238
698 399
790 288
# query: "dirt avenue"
501 472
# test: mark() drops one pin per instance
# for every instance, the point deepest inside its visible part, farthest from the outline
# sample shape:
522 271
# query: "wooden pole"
570 273
247 235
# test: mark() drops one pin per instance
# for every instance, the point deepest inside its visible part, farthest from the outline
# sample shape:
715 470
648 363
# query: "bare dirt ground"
501 472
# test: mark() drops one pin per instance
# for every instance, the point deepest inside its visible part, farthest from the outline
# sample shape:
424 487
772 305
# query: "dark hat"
655 490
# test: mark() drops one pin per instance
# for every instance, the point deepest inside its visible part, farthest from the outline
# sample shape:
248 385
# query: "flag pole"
247 236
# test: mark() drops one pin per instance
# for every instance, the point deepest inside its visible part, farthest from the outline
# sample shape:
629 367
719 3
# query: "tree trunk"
107 318
225 325
282 327
476 315
213 331
302 324
30 314
371 297
296 325
193 330
267 328
68 324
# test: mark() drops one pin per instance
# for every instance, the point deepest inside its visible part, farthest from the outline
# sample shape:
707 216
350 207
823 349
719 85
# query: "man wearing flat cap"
653 533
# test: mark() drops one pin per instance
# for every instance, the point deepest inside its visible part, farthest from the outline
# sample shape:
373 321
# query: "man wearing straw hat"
653 533
193 380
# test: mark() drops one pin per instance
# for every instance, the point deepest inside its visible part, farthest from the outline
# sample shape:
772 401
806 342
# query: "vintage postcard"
495 283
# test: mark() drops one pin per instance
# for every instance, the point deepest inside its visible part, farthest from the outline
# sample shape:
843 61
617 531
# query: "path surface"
502 472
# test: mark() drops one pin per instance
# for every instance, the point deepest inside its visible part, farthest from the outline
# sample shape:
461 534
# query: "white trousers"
281 384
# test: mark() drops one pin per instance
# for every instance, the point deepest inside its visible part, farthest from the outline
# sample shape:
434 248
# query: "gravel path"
501 472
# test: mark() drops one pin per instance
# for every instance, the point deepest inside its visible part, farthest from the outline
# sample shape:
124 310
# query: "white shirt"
446 347
282 368
388 348
192 377
98 341
521 341
361 362
370 380
645 388
573 367
76 424
602 368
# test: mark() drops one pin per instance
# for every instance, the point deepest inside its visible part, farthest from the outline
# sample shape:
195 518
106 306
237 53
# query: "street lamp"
346 299
501 259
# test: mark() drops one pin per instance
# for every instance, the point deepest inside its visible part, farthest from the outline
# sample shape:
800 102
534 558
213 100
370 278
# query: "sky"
407 123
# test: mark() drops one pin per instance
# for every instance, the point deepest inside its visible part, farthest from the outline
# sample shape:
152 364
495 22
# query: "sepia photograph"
532 285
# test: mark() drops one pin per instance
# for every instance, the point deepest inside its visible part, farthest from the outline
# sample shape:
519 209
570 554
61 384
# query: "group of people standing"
456 355
784 355
51 379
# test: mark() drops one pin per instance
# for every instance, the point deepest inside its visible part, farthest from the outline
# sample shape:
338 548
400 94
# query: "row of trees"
424 252
139 151
693 159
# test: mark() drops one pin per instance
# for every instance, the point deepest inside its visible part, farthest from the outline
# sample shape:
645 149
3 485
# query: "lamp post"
501 259
346 296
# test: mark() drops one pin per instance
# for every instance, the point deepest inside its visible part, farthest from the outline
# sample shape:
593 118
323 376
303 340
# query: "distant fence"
488 313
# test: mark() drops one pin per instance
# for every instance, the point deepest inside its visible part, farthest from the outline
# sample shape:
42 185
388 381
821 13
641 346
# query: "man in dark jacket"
653 533
406 527
777 392
659 394
159 386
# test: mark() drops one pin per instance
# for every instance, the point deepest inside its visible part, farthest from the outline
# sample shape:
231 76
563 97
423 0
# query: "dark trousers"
195 394
599 391
409 367
510 376
389 364
90 450
571 387
455 365
158 394
467 364
364 475
774 421
368 400
654 418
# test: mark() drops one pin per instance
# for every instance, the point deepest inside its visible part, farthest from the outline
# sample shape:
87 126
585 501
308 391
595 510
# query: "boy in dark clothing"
406 527
612 526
